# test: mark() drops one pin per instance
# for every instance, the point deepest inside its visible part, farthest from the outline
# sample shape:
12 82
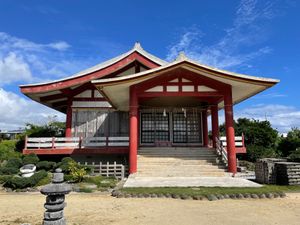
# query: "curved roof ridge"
137 47
181 59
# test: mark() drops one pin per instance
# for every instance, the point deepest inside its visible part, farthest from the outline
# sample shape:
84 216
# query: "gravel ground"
18 208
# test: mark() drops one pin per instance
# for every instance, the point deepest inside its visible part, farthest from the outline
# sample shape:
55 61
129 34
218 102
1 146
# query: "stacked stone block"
265 170
288 173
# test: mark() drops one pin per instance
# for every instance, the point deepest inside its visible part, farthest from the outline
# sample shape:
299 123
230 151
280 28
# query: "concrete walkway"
189 182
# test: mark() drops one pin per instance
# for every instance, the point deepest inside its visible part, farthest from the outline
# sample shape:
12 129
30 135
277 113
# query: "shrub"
295 156
8 170
17 182
76 171
30 159
249 165
7 150
64 164
15 162
11 166
46 165
5 178
255 152
45 180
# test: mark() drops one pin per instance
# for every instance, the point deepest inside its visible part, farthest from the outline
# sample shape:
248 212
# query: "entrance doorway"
179 126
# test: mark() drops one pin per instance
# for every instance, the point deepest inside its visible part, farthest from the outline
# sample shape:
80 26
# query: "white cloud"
13 68
231 50
16 111
10 42
61 45
282 117
22 60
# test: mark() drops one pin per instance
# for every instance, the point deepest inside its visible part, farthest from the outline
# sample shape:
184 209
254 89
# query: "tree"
290 143
52 129
260 138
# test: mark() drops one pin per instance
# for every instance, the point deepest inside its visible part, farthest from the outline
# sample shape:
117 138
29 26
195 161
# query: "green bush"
295 156
15 162
8 170
249 165
76 171
30 159
45 180
11 167
17 182
4 178
255 152
64 164
46 165
8 150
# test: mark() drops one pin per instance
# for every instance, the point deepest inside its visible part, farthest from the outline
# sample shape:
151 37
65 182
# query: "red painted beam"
180 73
56 85
179 94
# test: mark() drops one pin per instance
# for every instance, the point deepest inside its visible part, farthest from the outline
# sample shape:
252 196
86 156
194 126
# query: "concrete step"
178 162
204 174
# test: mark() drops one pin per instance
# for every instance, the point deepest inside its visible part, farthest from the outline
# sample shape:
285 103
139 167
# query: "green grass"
204 191
101 182
85 190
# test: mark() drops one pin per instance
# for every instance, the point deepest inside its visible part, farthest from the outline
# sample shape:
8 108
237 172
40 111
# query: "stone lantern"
55 201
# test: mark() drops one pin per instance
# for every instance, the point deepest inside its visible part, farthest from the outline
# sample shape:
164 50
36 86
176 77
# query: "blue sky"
46 40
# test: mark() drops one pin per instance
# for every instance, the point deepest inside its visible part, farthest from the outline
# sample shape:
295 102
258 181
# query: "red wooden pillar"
214 123
69 119
229 123
133 129
205 128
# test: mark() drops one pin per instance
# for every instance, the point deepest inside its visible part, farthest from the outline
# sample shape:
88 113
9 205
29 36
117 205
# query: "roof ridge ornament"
181 56
137 46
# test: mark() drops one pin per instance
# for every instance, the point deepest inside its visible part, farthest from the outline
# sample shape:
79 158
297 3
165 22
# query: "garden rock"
212 198
239 196
254 196
270 195
262 196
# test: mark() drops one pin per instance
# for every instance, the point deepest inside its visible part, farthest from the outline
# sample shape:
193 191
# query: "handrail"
221 152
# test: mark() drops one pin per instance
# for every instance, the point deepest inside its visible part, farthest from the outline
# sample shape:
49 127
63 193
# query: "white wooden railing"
74 142
221 152
239 141
107 169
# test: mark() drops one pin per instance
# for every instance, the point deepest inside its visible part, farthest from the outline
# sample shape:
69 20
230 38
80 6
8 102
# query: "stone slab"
189 182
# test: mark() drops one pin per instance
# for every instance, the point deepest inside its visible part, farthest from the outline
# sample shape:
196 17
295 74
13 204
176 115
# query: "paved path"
189 182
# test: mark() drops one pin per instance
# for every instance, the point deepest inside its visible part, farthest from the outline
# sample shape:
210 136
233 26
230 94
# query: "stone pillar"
205 128
55 201
230 136
133 129
214 123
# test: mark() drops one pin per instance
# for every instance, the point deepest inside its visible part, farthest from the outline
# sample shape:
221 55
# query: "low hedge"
11 167
46 165
17 182
8 170
30 159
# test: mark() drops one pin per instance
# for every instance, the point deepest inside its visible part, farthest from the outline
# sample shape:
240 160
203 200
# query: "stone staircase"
178 162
